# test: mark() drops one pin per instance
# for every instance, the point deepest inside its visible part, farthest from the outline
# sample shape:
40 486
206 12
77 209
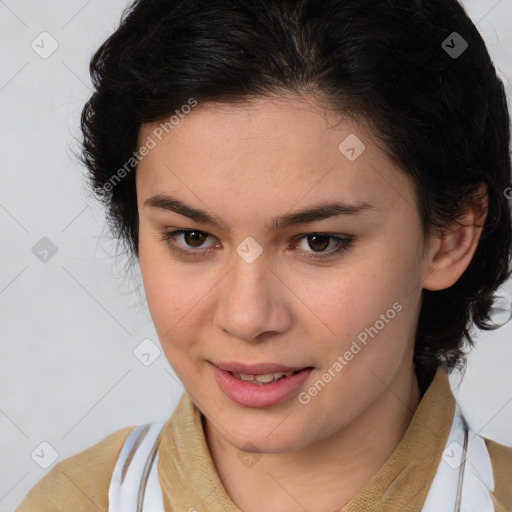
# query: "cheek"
346 302
163 285
171 300
170 305
369 310
176 293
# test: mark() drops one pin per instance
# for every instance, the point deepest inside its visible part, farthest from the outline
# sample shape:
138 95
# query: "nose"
252 301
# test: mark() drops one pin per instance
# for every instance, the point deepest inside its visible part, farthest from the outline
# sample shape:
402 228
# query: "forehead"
265 150
275 123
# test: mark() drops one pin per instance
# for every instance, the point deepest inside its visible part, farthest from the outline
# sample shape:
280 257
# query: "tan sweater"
189 480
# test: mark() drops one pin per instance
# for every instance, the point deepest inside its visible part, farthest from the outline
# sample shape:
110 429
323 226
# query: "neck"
340 465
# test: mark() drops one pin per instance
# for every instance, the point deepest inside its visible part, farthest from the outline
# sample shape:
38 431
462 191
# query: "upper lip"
257 369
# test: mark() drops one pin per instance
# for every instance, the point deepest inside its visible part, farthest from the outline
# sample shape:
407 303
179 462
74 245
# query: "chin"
266 440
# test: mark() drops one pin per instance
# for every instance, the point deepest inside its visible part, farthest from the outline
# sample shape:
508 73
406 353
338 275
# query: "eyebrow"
312 214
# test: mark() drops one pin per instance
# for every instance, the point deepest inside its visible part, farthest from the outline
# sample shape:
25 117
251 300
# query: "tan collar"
190 480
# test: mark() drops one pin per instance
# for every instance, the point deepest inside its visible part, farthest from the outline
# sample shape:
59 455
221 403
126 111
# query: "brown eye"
194 238
319 242
186 241
189 243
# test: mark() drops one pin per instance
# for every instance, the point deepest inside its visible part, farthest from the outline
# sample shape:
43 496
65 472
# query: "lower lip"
254 395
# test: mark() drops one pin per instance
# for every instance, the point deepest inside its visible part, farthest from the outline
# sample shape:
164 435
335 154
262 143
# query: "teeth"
267 377
264 378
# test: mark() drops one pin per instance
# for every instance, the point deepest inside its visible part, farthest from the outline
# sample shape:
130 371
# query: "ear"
451 252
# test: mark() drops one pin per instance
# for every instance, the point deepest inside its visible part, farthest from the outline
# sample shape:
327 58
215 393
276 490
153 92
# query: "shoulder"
80 482
501 461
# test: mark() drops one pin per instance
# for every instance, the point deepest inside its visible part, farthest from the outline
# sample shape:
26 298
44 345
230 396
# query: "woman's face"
336 292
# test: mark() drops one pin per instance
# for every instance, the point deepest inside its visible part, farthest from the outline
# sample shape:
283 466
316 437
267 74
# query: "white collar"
465 455
464 476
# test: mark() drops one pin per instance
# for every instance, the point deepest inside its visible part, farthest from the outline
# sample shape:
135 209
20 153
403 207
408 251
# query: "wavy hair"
441 117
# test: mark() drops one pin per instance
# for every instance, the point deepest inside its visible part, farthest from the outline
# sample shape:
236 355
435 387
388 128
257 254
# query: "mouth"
262 385
264 378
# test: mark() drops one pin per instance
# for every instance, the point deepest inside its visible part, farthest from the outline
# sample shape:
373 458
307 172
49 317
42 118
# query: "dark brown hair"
438 108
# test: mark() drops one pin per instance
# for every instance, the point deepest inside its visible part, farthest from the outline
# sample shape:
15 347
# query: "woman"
317 196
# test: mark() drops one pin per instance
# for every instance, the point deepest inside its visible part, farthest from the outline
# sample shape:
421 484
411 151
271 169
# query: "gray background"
69 376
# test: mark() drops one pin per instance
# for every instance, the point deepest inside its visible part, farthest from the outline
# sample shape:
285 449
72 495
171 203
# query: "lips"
267 391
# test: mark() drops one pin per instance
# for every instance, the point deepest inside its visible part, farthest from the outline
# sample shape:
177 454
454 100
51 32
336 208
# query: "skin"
247 164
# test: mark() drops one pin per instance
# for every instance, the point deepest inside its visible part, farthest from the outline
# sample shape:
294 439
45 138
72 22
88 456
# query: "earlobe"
452 251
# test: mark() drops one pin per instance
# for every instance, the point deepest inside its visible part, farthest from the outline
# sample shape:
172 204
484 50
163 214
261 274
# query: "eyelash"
342 244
